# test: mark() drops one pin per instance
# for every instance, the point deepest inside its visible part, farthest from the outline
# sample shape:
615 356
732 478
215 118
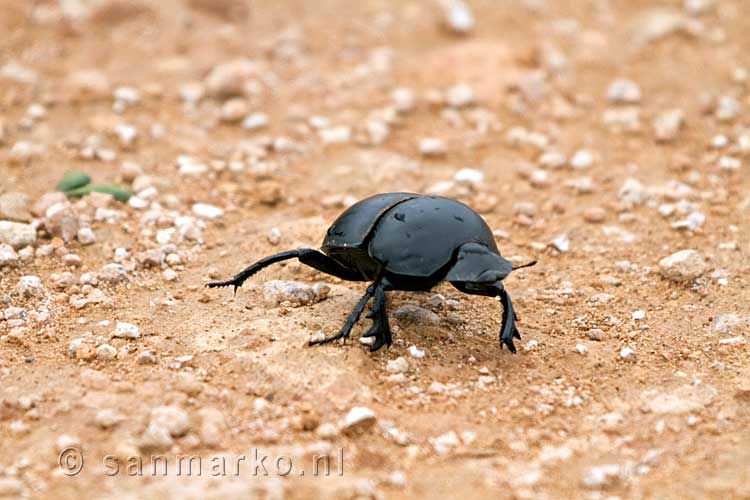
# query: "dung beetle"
405 241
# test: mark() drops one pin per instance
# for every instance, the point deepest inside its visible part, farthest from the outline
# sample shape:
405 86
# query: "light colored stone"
667 125
432 146
126 330
358 420
602 476
17 234
458 17
632 192
459 96
594 215
61 220
582 159
108 418
8 256
30 286
403 99
255 121
206 211
624 91
114 274
469 177
398 365
234 110
86 236
411 313
727 108
172 418
146 358
15 207
298 294
106 352
628 354
415 352
685 265
212 427
728 323
445 443
685 399
229 79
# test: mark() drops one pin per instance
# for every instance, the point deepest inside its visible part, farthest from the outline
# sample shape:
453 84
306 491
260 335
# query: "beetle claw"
380 330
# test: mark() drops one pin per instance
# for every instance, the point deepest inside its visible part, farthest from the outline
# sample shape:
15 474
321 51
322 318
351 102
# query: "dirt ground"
600 136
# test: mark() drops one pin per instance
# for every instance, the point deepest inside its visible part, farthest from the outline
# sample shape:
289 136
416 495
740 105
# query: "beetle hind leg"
307 256
380 328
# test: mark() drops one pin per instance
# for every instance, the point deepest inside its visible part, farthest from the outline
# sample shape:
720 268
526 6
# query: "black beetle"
405 241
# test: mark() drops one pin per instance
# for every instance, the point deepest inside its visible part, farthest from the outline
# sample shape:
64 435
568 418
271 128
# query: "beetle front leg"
508 330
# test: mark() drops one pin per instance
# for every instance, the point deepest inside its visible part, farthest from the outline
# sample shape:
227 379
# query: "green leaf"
120 194
73 180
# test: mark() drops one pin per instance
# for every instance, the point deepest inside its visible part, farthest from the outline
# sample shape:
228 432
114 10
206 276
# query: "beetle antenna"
528 264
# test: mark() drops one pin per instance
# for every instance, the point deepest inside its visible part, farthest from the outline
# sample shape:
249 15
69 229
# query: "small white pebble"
582 159
416 352
628 354
398 365
105 352
732 341
638 315
126 330
469 176
206 211
432 146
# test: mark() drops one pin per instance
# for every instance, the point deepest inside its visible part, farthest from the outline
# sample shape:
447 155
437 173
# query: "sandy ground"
602 136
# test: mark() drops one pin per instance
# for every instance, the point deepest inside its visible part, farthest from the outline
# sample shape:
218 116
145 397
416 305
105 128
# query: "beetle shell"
355 224
420 236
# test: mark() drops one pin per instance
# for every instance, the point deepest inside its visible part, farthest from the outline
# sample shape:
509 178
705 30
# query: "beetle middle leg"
352 318
380 328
